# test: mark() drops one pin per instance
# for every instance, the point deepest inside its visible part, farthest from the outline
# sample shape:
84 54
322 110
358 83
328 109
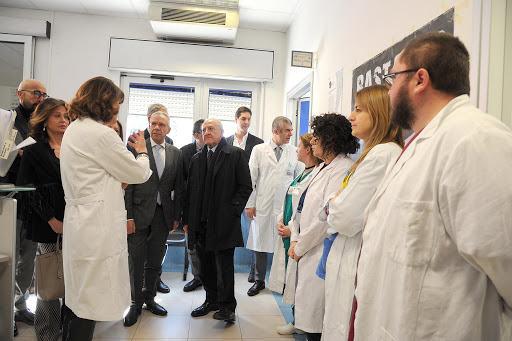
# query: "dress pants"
261 265
75 328
217 274
146 249
25 254
47 320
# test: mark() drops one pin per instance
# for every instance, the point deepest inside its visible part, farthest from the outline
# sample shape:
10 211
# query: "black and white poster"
371 72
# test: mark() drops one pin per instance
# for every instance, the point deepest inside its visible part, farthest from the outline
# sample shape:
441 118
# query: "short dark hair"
444 57
335 134
197 127
40 116
240 110
94 99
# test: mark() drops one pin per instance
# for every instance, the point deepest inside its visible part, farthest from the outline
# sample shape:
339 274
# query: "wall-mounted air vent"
198 17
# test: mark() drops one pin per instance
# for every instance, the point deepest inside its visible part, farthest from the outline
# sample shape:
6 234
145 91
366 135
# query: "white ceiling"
270 15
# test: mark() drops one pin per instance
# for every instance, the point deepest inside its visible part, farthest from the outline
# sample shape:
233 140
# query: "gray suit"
146 247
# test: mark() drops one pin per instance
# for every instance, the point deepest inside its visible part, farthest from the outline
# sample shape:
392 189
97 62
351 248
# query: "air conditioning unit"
174 21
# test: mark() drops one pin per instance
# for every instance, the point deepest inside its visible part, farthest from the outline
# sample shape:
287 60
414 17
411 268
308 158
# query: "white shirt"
212 149
244 141
161 151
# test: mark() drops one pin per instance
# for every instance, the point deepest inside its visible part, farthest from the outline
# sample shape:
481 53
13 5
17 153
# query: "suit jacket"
140 200
187 152
230 189
147 135
249 145
40 168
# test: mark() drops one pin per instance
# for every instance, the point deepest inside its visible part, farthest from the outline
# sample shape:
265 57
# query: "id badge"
293 191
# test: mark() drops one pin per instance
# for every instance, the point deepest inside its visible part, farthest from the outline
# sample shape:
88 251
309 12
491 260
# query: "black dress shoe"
131 317
250 279
225 315
24 316
204 309
162 287
192 285
15 329
256 288
155 308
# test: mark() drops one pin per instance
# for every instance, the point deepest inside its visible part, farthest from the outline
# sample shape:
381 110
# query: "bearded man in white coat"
273 167
436 260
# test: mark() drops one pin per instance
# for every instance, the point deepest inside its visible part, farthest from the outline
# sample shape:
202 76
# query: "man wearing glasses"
30 93
436 259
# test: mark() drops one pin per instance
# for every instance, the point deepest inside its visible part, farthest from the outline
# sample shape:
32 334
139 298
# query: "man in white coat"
273 167
436 261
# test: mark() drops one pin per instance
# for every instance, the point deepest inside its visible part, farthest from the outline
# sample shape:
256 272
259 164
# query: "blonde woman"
282 270
371 122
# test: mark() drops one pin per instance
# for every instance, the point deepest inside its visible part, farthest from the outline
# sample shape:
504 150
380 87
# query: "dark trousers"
75 328
146 249
261 265
217 274
313 336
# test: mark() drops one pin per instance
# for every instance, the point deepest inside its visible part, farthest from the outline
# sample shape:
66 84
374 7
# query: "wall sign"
371 72
302 59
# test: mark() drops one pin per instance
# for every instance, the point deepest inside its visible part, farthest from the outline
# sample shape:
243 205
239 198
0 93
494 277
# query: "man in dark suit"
151 110
217 191
30 93
245 140
187 152
153 209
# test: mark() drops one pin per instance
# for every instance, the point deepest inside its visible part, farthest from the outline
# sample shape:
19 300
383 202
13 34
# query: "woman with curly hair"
94 165
43 209
332 141
344 212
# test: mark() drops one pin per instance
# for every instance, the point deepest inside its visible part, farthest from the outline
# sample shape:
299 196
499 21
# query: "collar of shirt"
213 149
274 145
198 149
244 141
153 143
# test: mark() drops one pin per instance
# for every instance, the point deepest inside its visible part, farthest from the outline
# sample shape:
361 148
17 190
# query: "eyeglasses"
390 77
37 93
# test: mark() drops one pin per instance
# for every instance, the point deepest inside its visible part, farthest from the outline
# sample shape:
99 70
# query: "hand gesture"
137 141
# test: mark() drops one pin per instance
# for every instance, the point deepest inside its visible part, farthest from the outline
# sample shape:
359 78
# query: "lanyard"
407 145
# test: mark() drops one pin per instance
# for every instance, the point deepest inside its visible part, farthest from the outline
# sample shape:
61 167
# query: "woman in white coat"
371 122
332 142
282 270
94 164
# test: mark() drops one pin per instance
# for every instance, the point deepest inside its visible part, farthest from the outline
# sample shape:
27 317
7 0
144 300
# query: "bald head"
212 132
30 93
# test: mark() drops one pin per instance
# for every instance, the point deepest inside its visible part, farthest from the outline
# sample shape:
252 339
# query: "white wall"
345 34
79 45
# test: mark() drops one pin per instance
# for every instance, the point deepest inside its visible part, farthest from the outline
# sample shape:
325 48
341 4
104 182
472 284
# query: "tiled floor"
257 318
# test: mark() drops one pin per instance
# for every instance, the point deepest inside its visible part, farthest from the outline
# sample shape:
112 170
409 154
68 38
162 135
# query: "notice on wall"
371 72
335 91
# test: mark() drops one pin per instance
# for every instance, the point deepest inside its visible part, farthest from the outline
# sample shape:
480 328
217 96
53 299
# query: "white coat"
346 214
94 162
270 180
310 291
436 262
280 274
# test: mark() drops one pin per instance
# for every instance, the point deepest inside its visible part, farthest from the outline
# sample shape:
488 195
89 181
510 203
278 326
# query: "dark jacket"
230 190
249 145
40 168
187 152
140 200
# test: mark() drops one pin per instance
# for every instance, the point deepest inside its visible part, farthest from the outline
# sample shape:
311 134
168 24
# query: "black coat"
249 144
40 168
230 190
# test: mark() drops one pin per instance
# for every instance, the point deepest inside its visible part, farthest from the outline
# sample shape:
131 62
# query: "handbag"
50 275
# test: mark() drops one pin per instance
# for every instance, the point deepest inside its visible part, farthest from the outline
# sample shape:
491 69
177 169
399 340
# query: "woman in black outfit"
43 209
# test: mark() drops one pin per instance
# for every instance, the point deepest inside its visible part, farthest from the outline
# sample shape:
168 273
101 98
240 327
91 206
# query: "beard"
403 112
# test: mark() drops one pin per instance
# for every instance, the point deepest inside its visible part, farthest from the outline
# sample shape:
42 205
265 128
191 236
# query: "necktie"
159 167
278 150
209 160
